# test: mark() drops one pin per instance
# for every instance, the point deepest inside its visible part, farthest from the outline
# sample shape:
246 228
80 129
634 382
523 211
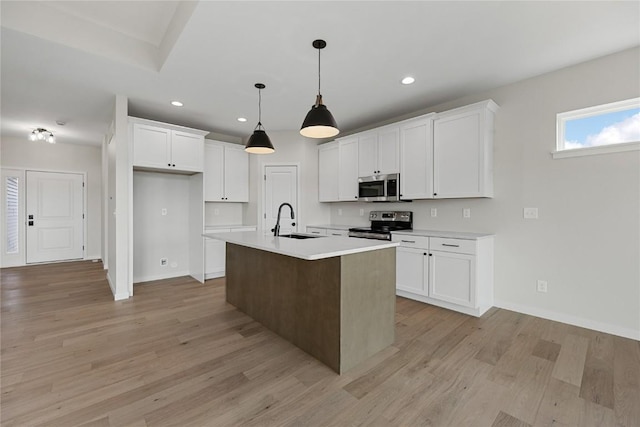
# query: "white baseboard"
160 276
93 257
608 328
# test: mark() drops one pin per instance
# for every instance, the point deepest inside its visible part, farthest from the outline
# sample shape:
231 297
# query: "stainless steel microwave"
379 188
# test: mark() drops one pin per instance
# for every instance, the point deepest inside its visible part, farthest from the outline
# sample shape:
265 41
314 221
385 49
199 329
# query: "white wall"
37 155
586 243
291 148
119 197
155 235
218 213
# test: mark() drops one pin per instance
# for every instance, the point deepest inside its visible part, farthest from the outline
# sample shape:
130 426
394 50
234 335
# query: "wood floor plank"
177 354
569 366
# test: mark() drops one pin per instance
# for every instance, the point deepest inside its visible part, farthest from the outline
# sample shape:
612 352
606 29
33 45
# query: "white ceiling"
65 60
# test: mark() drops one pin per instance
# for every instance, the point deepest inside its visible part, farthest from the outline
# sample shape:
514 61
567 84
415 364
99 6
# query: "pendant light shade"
319 122
259 142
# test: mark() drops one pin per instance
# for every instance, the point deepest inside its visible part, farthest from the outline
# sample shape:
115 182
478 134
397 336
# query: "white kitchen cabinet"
452 273
412 268
317 230
226 172
348 169
378 151
215 252
328 177
463 151
161 146
334 232
416 158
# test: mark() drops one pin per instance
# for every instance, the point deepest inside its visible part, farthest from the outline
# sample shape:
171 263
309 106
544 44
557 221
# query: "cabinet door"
368 155
411 270
457 151
151 146
213 172
389 150
452 278
214 257
416 173
328 160
236 174
187 151
348 170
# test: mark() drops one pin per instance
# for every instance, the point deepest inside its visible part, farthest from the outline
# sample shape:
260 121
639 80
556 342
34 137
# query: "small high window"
601 129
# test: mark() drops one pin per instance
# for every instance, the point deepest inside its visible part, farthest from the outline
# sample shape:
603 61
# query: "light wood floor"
178 355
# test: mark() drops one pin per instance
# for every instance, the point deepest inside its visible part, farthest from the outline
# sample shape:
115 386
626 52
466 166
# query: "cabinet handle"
336 234
315 232
424 253
430 255
435 194
451 246
355 197
168 164
408 241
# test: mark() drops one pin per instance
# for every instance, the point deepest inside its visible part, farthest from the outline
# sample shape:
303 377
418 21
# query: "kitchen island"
333 297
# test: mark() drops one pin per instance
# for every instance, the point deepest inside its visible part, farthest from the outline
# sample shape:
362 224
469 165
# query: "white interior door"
281 186
55 210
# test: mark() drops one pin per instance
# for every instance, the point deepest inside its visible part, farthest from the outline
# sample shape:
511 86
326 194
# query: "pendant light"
319 122
259 142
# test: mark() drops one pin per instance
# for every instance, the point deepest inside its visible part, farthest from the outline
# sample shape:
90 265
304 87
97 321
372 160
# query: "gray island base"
340 310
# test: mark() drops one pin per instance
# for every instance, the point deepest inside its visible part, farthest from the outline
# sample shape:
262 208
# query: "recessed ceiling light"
242 119
408 80
177 103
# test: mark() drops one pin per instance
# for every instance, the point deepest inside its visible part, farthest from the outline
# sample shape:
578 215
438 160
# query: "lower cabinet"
452 273
215 253
331 232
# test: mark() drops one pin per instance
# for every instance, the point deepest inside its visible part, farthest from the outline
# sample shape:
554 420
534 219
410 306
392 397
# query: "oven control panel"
399 216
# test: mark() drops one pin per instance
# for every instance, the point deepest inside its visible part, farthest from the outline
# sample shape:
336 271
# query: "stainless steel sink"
298 236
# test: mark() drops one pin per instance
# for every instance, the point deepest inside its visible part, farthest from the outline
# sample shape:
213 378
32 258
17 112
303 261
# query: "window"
12 214
601 129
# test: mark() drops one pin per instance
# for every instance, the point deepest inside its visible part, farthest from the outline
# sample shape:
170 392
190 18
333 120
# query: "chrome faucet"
276 229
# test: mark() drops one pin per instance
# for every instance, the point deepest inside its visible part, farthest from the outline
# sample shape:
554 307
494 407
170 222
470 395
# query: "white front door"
281 186
55 210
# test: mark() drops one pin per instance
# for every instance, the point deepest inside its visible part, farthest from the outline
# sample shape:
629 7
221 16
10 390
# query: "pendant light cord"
319 71
259 109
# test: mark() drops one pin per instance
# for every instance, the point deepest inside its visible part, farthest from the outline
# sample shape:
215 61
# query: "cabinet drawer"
411 241
314 230
453 245
337 233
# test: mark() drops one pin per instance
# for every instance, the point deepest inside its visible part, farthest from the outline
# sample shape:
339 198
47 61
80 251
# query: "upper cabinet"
162 146
226 172
416 158
328 161
348 169
463 151
378 151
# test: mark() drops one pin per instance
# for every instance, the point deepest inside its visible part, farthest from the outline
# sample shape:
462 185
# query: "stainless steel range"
383 223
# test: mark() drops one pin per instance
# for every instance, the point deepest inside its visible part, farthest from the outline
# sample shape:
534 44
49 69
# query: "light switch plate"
163 211
466 213
530 213
216 211
434 212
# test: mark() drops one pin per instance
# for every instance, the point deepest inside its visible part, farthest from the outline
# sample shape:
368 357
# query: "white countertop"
333 226
308 249
225 227
444 234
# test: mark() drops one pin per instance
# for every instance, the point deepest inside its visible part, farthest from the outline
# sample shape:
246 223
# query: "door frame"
263 193
22 207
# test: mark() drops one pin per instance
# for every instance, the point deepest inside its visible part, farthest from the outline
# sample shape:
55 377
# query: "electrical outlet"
466 213
163 262
361 212
163 211
434 212
216 211
542 286
339 212
530 213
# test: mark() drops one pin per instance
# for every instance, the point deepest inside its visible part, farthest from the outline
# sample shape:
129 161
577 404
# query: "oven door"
372 188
